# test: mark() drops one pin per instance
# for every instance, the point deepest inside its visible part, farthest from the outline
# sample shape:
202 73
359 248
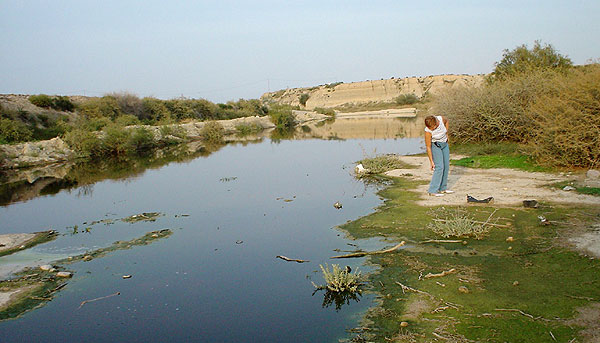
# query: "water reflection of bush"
339 298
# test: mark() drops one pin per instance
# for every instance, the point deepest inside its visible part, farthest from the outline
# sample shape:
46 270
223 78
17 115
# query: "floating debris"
128 276
146 217
227 179
337 205
239 242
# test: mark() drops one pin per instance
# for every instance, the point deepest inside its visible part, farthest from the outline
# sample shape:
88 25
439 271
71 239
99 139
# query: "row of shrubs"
60 103
552 112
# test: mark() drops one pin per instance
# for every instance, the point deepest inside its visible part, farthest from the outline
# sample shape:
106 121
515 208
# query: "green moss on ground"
532 273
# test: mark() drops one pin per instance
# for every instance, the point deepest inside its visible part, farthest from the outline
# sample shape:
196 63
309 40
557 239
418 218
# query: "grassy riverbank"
521 282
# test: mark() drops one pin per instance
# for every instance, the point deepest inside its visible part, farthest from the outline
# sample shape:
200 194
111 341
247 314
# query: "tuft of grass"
383 163
457 224
244 129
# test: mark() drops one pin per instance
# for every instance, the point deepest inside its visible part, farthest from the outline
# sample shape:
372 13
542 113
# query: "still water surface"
216 279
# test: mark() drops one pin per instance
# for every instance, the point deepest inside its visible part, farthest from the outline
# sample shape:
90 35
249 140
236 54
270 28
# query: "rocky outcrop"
371 91
35 153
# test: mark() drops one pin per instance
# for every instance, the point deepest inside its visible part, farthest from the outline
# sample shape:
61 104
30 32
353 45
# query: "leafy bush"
282 116
154 110
406 99
106 106
522 60
116 140
213 132
304 98
141 139
172 134
12 131
84 142
41 100
62 103
126 120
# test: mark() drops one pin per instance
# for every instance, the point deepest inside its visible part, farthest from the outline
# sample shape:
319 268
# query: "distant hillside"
338 94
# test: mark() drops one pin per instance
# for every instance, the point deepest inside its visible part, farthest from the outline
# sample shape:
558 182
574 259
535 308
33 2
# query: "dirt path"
508 187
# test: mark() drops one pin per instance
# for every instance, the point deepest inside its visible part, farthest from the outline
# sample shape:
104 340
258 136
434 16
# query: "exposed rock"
64 274
46 267
463 289
35 153
371 91
569 188
510 239
592 178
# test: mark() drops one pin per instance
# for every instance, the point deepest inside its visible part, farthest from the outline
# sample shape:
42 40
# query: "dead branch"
441 241
92 300
291 259
364 253
444 273
410 289
580 298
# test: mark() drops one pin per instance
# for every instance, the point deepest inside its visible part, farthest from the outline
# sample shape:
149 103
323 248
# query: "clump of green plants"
382 163
325 111
213 132
282 116
61 103
244 129
303 98
457 224
84 142
340 279
13 131
406 99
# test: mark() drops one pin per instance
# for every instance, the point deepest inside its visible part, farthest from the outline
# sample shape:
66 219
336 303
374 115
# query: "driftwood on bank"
291 259
92 300
444 273
442 241
365 253
410 289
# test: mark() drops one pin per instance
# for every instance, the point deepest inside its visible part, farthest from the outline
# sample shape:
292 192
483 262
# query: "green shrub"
154 110
522 60
325 111
172 134
212 132
105 106
41 100
116 140
95 124
304 98
406 99
141 139
84 142
62 103
126 120
282 116
13 131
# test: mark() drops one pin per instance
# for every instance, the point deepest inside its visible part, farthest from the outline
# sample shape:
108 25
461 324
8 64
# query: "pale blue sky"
225 50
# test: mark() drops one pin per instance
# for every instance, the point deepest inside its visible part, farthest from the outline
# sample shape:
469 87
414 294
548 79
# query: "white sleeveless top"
440 134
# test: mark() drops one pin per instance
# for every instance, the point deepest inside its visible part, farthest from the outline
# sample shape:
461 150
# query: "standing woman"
436 142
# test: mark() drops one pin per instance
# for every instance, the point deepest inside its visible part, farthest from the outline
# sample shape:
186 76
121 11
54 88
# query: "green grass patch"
382 163
520 162
39 238
579 189
527 272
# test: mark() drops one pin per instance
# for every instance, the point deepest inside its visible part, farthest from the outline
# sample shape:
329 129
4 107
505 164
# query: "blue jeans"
441 158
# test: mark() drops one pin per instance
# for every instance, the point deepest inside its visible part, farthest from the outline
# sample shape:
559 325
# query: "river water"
216 278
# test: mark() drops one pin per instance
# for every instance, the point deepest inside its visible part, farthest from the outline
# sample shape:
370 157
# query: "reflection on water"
365 128
216 278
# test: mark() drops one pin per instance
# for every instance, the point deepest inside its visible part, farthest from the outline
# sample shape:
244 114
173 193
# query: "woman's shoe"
447 191
436 194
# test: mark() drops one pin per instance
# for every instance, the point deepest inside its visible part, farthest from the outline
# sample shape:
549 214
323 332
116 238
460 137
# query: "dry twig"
444 273
92 300
364 253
